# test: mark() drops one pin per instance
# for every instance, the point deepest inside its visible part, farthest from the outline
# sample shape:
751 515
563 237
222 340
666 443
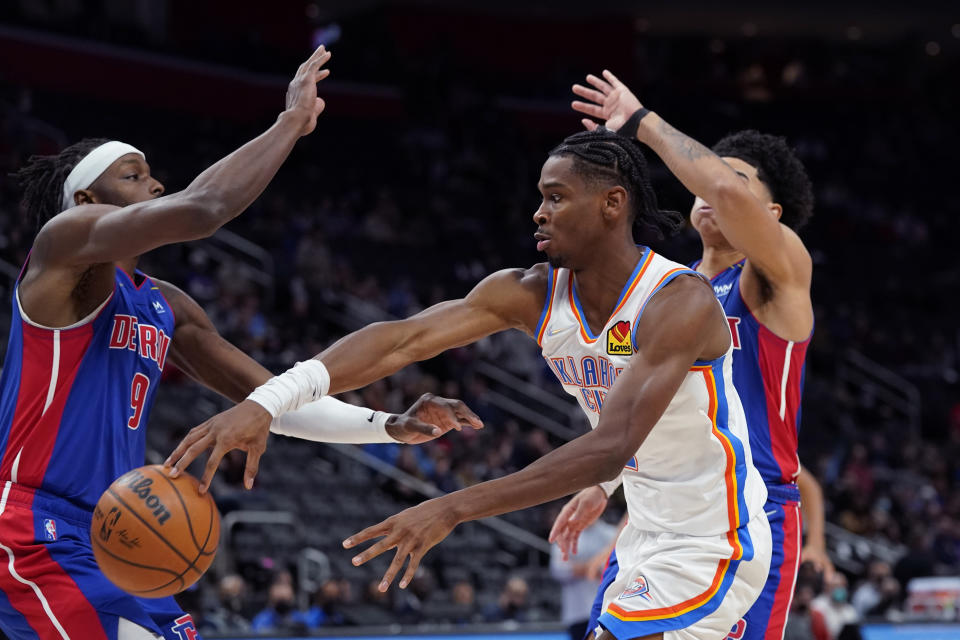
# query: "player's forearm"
584 462
374 352
228 187
812 509
700 170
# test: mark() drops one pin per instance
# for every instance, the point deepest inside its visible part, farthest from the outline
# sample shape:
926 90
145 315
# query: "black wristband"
632 125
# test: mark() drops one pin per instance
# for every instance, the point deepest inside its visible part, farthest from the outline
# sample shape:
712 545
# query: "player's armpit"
508 299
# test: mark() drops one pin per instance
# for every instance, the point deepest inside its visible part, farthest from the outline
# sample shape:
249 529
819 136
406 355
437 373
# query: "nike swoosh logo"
370 419
554 332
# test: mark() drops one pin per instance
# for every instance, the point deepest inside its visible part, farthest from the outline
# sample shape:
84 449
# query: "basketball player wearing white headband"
85 357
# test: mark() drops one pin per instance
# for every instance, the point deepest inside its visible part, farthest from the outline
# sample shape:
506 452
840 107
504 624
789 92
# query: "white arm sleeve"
330 420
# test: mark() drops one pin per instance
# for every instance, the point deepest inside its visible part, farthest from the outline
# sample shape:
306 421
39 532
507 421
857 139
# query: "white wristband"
329 420
304 382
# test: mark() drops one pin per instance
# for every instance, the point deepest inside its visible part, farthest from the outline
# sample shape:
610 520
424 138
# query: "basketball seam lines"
176 576
152 530
203 550
185 510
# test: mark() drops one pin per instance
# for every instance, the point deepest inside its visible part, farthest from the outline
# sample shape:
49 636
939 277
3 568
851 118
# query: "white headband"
92 166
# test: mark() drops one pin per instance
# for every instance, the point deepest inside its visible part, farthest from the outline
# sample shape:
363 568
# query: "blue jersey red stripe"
72 400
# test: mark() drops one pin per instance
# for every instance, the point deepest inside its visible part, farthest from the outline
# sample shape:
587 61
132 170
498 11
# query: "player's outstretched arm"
506 299
203 354
745 221
96 233
681 324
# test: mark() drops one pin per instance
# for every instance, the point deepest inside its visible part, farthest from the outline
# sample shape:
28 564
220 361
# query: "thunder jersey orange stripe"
546 318
623 300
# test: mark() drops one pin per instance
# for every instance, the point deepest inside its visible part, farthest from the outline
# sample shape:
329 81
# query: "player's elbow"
609 461
207 213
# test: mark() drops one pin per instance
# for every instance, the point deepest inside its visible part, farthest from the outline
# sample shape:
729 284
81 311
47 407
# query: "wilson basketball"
154 535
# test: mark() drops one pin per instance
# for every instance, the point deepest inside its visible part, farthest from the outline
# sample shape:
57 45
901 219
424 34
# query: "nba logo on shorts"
50 528
636 588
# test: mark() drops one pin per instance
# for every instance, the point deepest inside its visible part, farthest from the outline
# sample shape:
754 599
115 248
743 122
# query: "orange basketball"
154 535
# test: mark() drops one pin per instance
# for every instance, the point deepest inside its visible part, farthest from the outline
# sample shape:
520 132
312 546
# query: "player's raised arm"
95 233
507 299
744 220
681 324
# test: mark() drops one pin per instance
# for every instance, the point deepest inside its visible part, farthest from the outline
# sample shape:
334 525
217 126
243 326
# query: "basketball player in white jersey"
643 345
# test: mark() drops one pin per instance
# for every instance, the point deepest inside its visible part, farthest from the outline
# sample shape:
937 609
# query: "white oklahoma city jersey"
694 473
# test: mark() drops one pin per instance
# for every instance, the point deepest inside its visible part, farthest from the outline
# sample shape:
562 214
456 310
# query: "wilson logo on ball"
618 339
140 487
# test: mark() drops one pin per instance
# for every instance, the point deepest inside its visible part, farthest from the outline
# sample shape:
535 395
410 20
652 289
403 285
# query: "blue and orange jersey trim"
547 305
666 279
585 333
735 473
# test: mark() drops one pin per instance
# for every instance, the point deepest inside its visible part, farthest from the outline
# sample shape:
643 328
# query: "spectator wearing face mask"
280 613
834 606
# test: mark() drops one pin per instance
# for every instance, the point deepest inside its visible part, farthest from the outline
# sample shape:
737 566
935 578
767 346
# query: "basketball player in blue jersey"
642 344
89 340
761 273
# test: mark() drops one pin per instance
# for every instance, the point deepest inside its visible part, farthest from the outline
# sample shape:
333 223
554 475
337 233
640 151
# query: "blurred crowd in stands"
369 221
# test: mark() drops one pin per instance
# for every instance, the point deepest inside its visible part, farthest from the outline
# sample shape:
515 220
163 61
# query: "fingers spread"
601 85
195 434
211 467
184 461
587 93
373 551
612 79
412 567
398 559
371 532
585 107
253 464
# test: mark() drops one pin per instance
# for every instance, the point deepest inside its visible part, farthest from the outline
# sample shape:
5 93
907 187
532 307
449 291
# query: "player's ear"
615 202
84 196
775 209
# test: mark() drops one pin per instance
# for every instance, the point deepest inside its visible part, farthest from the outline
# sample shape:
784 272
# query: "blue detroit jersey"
74 402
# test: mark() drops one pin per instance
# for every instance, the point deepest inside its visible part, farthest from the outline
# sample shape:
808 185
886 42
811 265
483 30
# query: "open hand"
578 514
302 90
244 426
411 532
430 417
609 100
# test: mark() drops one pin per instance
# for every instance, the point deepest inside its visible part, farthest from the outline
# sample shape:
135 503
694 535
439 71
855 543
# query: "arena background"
420 179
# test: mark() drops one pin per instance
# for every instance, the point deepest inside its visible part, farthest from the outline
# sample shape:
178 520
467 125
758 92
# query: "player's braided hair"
603 157
778 167
42 179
